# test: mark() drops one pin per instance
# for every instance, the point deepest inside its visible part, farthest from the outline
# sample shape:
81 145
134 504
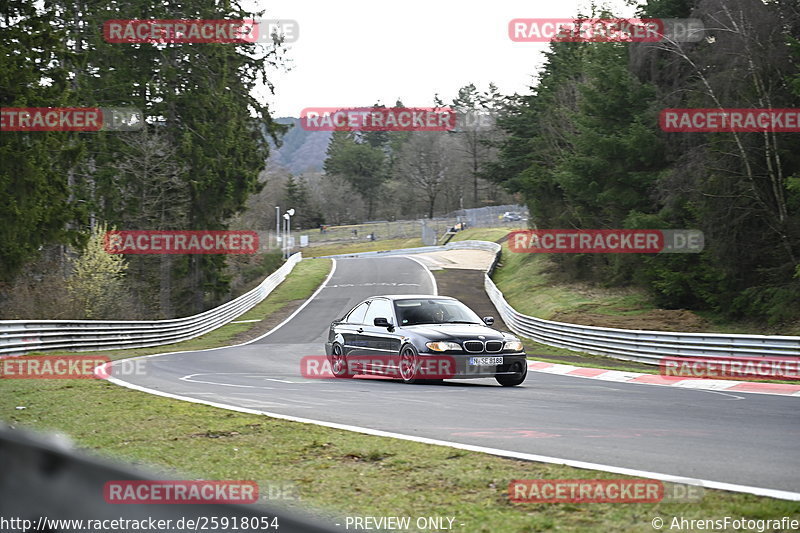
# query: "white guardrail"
634 344
630 344
19 337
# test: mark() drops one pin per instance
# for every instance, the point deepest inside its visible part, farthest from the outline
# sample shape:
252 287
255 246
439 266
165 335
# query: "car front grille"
480 346
473 346
494 346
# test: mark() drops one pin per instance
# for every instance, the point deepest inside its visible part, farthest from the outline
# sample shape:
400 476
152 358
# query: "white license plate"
485 361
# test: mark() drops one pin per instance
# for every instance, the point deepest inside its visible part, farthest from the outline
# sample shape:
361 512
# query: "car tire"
512 380
339 362
409 358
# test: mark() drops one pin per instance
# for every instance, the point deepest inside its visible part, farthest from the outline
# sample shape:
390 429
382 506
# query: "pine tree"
359 164
296 196
35 198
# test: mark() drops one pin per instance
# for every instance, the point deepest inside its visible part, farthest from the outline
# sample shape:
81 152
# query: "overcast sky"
353 53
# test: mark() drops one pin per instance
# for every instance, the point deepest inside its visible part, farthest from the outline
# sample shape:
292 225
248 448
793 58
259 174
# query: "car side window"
378 308
356 316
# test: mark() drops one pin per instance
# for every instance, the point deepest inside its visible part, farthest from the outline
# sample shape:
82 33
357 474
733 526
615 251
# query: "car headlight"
443 346
515 346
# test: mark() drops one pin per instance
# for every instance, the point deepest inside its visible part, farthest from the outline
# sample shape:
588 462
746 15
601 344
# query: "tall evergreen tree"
359 164
36 205
296 196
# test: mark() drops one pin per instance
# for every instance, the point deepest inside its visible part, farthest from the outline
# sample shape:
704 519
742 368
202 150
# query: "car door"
352 329
381 343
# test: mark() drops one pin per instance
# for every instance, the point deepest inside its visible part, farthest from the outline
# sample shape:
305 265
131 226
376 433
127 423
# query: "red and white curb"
782 389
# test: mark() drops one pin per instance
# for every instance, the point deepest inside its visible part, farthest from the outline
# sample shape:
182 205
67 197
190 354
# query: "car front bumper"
443 365
512 364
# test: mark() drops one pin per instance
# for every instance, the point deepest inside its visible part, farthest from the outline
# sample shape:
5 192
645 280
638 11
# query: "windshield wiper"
460 322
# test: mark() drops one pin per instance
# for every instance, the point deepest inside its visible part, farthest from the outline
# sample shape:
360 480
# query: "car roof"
409 297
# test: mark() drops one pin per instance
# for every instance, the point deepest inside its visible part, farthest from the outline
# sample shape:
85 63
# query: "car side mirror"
488 320
382 323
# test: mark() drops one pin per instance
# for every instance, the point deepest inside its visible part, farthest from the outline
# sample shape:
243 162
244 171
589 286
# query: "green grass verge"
485 234
531 284
526 281
336 471
722 325
332 471
361 246
299 285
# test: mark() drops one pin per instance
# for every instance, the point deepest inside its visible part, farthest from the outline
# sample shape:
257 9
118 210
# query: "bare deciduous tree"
426 162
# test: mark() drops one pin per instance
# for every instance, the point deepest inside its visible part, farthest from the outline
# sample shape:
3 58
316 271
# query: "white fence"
18 337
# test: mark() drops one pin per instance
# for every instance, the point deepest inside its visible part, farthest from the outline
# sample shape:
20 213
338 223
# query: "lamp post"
285 235
277 225
288 217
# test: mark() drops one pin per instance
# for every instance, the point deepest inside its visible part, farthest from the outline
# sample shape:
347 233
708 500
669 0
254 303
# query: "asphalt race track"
742 439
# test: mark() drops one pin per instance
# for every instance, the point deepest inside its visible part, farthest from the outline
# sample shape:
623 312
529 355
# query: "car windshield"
432 311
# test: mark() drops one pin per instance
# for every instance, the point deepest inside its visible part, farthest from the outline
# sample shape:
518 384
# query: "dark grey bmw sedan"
422 338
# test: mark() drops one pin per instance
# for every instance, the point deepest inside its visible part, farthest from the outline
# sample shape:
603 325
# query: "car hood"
456 331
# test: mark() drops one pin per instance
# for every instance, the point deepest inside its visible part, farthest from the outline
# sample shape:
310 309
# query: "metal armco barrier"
637 345
19 337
